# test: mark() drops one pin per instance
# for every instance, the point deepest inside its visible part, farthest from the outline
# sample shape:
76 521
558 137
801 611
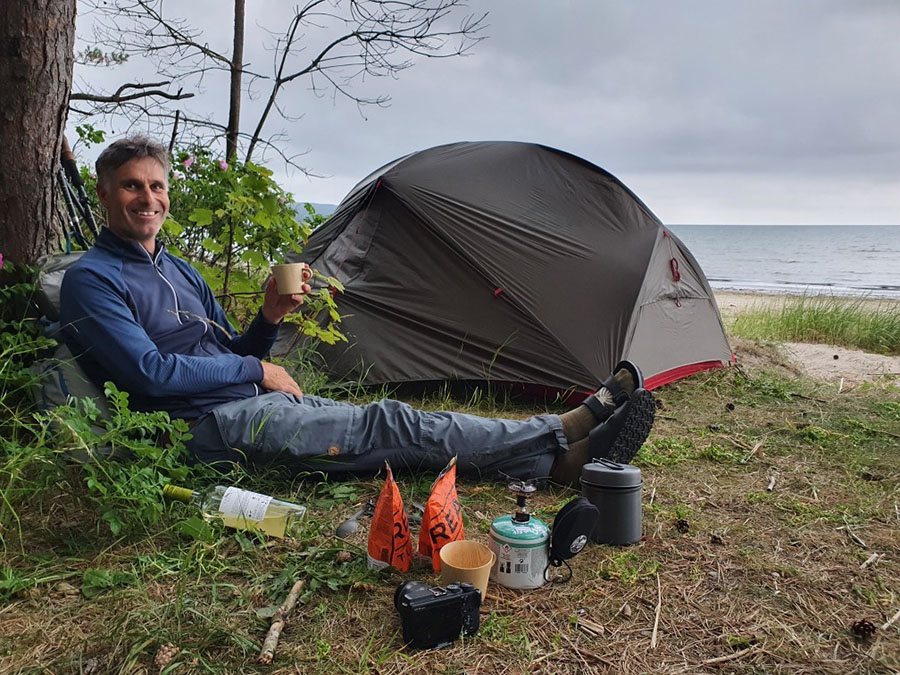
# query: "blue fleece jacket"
152 326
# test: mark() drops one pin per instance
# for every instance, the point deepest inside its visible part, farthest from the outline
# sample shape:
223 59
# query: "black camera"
434 616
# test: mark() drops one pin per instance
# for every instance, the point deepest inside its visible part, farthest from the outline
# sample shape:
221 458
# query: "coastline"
842 367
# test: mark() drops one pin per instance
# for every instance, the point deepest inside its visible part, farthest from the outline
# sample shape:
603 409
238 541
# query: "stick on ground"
871 559
850 533
890 622
278 620
658 611
729 657
750 454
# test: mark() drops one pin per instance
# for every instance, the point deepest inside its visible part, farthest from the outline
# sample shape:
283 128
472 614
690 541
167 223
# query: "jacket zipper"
174 295
153 261
177 310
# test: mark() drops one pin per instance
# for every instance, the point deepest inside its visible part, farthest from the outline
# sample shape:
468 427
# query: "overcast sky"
745 111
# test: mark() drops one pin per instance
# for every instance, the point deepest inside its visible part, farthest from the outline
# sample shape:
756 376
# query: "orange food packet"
389 539
442 521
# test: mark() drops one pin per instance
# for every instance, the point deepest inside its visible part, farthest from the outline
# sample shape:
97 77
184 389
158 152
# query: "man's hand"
276 378
276 307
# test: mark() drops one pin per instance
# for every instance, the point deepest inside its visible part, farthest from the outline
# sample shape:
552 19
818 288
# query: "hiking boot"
621 436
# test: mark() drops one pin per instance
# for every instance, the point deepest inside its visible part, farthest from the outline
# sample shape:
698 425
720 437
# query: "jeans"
309 433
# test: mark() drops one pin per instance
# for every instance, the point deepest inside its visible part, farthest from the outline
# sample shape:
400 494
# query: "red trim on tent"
680 372
573 398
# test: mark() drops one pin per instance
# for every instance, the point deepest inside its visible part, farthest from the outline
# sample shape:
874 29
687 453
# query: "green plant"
130 456
665 451
241 219
22 338
814 434
762 387
97 581
88 133
628 567
721 454
502 630
26 467
233 221
888 409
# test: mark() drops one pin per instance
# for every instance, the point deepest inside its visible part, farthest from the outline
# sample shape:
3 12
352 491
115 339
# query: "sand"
838 365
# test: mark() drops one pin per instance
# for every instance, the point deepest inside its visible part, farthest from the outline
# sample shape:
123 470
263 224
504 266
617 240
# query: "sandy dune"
838 365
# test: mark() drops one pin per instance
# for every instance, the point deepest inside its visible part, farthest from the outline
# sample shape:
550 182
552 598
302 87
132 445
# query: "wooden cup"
466 560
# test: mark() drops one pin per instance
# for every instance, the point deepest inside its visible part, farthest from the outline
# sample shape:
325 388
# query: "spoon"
351 525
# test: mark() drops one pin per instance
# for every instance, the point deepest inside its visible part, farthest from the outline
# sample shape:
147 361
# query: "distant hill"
323 209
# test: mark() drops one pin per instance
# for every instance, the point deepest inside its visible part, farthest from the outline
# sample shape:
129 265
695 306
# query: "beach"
838 365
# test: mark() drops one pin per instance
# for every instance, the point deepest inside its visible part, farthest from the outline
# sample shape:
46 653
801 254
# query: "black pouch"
571 532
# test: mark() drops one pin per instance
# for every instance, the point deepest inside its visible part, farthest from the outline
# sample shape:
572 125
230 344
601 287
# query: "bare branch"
149 29
333 44
120 97
378 30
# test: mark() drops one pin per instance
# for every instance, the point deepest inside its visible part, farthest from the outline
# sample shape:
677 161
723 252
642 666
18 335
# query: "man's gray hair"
126 149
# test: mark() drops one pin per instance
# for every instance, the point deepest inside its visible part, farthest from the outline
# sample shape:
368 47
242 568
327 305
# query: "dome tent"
510 262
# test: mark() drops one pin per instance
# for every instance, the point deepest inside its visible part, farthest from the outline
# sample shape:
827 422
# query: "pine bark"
37 39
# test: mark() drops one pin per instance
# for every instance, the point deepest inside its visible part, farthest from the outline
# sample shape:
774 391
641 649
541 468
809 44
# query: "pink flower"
1 261
223 165
177 175
187 163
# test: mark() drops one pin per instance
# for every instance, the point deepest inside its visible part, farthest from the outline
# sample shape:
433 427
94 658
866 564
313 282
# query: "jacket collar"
127 249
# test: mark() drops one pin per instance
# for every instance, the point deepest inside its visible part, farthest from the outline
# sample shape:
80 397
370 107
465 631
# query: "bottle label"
248 505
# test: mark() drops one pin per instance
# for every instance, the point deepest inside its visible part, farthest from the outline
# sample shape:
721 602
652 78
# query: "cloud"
728 111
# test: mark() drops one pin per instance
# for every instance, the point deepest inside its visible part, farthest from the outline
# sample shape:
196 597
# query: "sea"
840 260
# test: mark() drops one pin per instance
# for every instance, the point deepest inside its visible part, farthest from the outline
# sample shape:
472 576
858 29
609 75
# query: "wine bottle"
242 509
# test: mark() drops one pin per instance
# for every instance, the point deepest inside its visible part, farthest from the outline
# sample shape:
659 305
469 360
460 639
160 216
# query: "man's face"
136 198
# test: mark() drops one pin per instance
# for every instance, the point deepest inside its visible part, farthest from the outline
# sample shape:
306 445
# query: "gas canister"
521 543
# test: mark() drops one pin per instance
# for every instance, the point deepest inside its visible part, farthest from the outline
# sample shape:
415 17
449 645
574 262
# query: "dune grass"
859 323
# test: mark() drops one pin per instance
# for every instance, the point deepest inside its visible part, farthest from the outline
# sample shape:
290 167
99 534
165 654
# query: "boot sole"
620 438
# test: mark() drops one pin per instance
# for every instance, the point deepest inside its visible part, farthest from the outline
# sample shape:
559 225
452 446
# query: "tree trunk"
237 67
37 39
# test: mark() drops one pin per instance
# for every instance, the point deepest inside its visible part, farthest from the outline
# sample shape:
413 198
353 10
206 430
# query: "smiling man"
146 320
136 199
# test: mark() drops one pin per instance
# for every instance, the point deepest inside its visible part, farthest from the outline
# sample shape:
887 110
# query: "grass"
855 323
769 580
747 579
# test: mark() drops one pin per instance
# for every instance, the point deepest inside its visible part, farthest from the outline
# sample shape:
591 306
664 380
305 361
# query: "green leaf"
97 581
254 257
332 281
246 545
212 245
198 529
172 228
201 216
114 522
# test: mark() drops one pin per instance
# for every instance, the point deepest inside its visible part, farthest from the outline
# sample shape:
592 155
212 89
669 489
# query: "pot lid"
606 473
